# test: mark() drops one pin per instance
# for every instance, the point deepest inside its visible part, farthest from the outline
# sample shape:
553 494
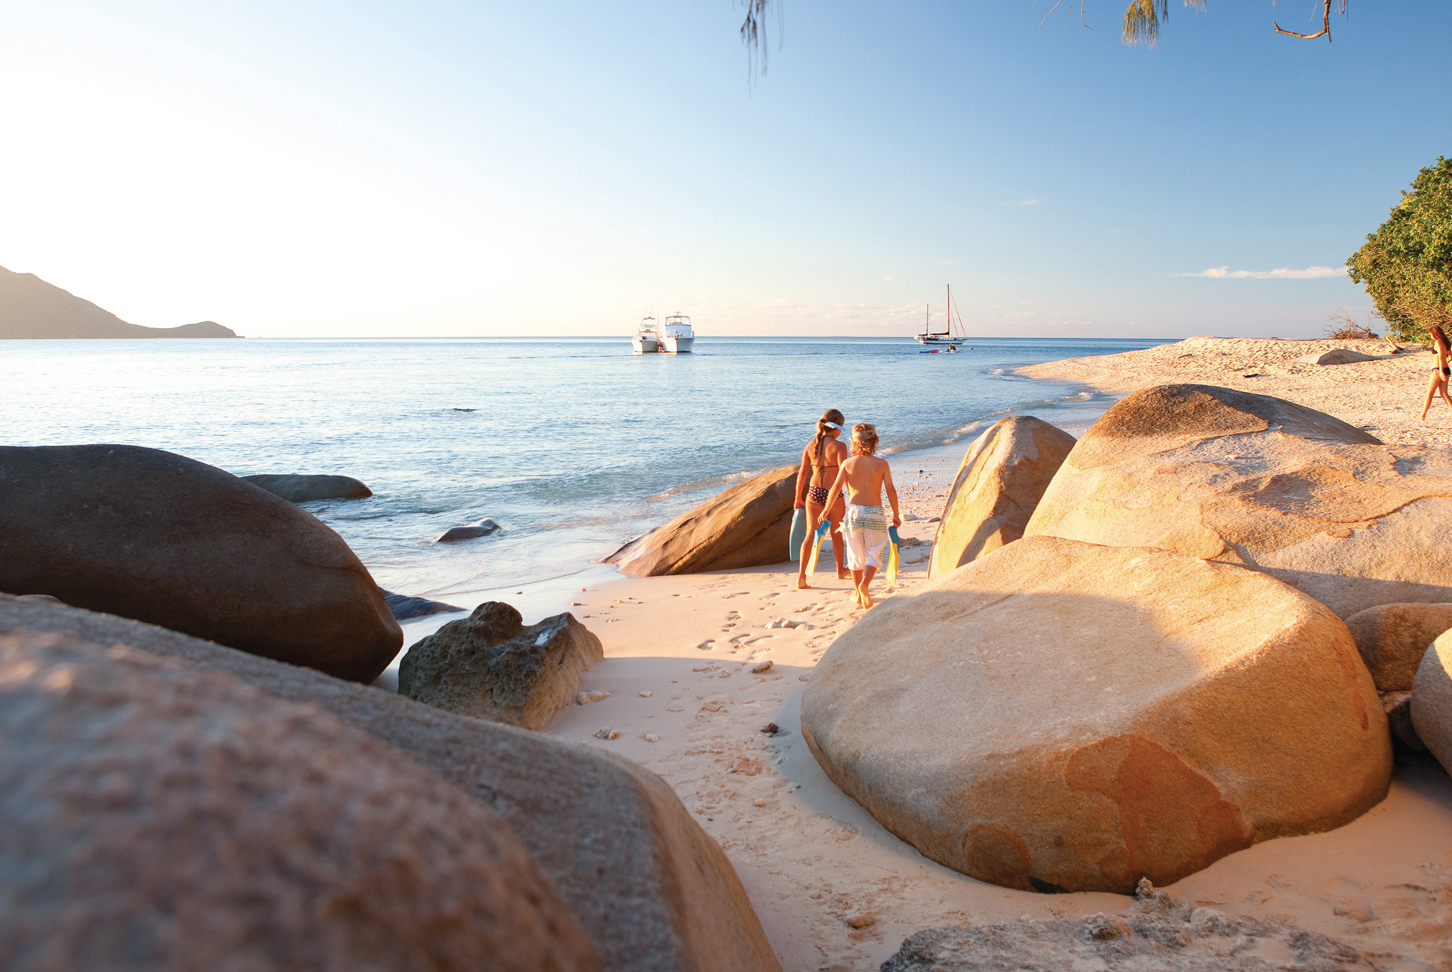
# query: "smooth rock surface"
651 888
1432 700
164 539
156 816
1243 478
747 525
405 607
1336 356
1060 715
1392 639
490 666
1000 480
469 531
300 488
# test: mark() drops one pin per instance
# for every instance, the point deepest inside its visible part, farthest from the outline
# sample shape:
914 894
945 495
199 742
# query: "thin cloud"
1284 273
1028 202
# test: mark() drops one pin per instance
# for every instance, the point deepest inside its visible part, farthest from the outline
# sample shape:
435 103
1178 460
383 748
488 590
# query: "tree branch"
1325 30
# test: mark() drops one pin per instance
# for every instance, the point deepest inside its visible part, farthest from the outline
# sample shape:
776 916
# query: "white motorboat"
952 336
676 336
647 338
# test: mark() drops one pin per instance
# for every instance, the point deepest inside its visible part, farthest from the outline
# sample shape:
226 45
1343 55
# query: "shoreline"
833 889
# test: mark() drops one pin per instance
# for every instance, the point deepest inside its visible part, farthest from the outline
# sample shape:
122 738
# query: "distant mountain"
32 308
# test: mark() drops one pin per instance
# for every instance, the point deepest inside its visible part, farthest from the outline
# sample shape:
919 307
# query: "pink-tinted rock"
1062 715
154 816
999 482
747 525
1254 480
652 889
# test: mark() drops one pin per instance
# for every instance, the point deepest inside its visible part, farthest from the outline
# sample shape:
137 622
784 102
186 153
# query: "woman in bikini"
820 461
1440 371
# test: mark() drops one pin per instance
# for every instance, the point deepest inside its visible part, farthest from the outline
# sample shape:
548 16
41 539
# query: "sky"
322 169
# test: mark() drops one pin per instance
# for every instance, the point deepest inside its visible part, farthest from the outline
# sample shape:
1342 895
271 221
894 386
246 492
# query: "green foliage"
1407 263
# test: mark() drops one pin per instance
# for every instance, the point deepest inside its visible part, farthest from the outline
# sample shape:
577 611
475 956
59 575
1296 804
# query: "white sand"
836 891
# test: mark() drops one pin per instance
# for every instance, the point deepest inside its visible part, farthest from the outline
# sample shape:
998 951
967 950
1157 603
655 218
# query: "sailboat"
954 334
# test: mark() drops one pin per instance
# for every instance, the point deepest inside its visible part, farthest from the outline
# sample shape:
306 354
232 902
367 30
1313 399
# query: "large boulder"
1002 476
652 889
748 525
1066 716
490 666
155 816
1392 639
1254 480
167 540
1432 700
301 488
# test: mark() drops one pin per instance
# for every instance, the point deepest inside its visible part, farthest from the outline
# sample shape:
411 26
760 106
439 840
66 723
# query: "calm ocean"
573 444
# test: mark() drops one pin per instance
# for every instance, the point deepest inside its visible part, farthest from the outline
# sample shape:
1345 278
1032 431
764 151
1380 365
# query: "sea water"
574 445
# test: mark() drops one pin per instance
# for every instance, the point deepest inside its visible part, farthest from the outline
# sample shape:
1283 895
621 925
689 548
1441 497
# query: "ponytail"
830 415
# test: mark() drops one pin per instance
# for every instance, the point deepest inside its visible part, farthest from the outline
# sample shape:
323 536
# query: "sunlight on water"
574 445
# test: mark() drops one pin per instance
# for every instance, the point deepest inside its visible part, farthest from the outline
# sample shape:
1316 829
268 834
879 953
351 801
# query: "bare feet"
867 601
802 584
843 574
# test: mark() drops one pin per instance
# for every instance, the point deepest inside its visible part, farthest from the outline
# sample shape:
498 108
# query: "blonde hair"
864 439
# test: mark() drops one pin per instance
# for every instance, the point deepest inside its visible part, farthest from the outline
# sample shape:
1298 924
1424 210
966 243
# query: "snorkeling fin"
799 533
817 546
893 542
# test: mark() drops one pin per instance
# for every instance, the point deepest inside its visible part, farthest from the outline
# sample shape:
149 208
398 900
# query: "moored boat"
954 335
676 336
647 338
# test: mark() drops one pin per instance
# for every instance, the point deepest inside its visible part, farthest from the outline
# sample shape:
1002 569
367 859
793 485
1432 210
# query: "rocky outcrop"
1168 937
469 531
999 482
650 887
154 816
1432 700
747 525
1392 639
165 539
406 607
1065 716
1251 479
299 488
1336 356
490 666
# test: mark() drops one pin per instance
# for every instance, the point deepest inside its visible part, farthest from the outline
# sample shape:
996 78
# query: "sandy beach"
833 889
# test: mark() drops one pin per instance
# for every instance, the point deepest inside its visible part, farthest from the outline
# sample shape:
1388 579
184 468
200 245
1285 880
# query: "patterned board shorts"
865 530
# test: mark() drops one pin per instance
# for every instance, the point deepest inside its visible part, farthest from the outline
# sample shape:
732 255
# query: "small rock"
304 489
771 729
760 667
469 531
864 920
652 737
585 698
608 734
646 694
490 666
405 606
